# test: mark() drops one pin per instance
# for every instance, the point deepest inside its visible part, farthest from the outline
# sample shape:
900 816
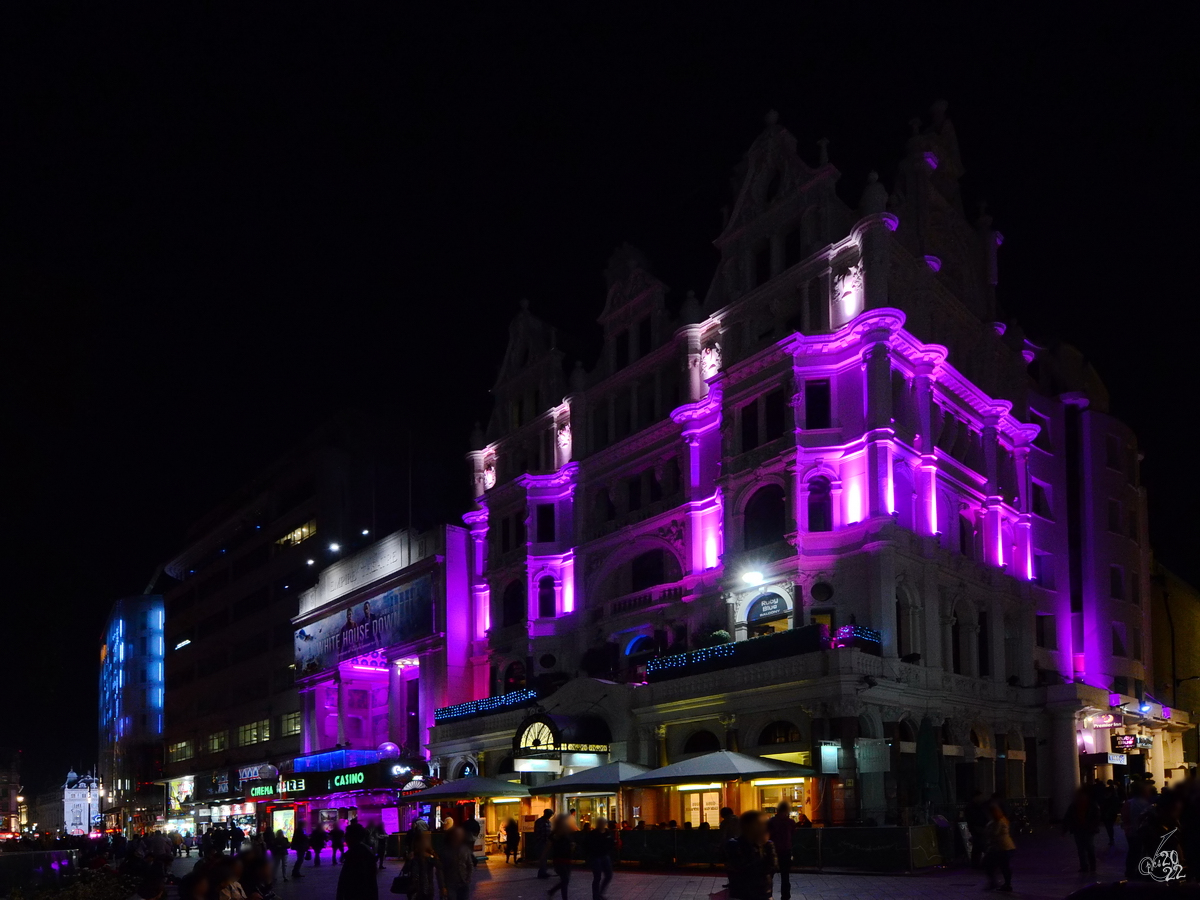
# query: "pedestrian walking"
320 837
541 836
357 878
426 881
1110 808
512 840
560 854
1082 820
458 864
780 827
279 852
999 849
337 840
977 818
300 845
598 846
1133 812
750 859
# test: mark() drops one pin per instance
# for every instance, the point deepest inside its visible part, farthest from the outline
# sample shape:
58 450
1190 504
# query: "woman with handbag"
421 878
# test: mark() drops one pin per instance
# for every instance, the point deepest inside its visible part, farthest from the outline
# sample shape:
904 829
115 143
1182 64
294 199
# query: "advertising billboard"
401 615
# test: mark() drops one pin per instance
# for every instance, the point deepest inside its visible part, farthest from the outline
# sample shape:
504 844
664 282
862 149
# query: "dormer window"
621 349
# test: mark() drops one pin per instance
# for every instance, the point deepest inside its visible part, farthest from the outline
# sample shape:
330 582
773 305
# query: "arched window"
513 609
765 518
820 505
702 742
648 570
966 537
902 495
547 602
779 733
514 677
643 645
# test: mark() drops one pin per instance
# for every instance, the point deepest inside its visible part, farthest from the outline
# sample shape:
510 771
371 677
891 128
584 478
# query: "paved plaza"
1044 866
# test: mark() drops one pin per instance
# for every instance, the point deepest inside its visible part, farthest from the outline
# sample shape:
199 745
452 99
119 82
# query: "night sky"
222 230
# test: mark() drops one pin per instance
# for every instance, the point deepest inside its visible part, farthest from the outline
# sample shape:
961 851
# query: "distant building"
1175 613
10 789
131 712
48 811
81 797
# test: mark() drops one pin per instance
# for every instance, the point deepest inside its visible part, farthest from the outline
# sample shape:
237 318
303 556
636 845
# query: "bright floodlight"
310 562
754 578
366 531
335 547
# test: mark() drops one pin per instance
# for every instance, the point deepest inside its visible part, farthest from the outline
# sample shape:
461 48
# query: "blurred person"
458 864
998 855
750 859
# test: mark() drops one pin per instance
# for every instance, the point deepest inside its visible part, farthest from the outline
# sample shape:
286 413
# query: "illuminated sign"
1107 720
292 786
348 779
1116 759
263 790
1132 742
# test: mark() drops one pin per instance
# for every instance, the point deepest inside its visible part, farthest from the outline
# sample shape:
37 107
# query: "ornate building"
844 436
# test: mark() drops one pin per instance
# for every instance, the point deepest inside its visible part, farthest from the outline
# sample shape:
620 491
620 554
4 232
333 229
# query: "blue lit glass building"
131 711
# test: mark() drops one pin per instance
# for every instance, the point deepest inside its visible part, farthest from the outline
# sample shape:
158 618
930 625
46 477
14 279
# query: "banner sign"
400 616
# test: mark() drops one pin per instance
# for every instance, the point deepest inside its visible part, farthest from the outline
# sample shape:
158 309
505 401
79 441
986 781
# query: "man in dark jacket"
357 880
976 815
300 845
751 860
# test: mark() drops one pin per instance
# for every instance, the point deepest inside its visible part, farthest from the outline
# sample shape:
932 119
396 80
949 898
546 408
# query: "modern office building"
132 694
841 511
231 594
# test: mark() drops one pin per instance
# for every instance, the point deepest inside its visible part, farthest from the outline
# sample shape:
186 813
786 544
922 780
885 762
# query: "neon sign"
263 790
349 779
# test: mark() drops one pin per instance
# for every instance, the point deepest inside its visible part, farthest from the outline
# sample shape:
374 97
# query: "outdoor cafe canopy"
721 765
471 788
598 780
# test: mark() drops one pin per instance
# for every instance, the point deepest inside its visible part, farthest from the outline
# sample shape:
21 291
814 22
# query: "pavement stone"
1044 868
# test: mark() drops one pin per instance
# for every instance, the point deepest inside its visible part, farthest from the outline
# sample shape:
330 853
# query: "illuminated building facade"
132 694
907 518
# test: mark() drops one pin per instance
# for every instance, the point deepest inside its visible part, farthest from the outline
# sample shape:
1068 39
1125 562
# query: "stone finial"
823 154
771 118
477 439
690 311
874 197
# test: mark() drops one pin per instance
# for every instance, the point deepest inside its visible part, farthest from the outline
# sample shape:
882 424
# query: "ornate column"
993 516
1065 749
660 740
877 388
927 514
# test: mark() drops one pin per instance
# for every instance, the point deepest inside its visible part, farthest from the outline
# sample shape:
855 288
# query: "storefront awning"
721 765
470 788
598 780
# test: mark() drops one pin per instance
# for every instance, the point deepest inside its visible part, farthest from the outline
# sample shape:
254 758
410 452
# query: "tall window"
547 604
545 522
513 610
1046 634
1116 582
648 569
218 741
985 656
817 409
820 505
1114 516
765 518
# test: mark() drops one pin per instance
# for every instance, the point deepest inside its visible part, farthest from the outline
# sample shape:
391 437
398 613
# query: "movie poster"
401 615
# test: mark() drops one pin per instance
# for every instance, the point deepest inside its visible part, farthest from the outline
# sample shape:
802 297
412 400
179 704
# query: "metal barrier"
37 869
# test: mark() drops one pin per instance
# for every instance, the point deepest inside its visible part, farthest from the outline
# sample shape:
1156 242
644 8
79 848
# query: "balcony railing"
664 594
485 706
806 639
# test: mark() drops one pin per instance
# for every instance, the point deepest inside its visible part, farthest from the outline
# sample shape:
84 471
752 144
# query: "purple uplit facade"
841 435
